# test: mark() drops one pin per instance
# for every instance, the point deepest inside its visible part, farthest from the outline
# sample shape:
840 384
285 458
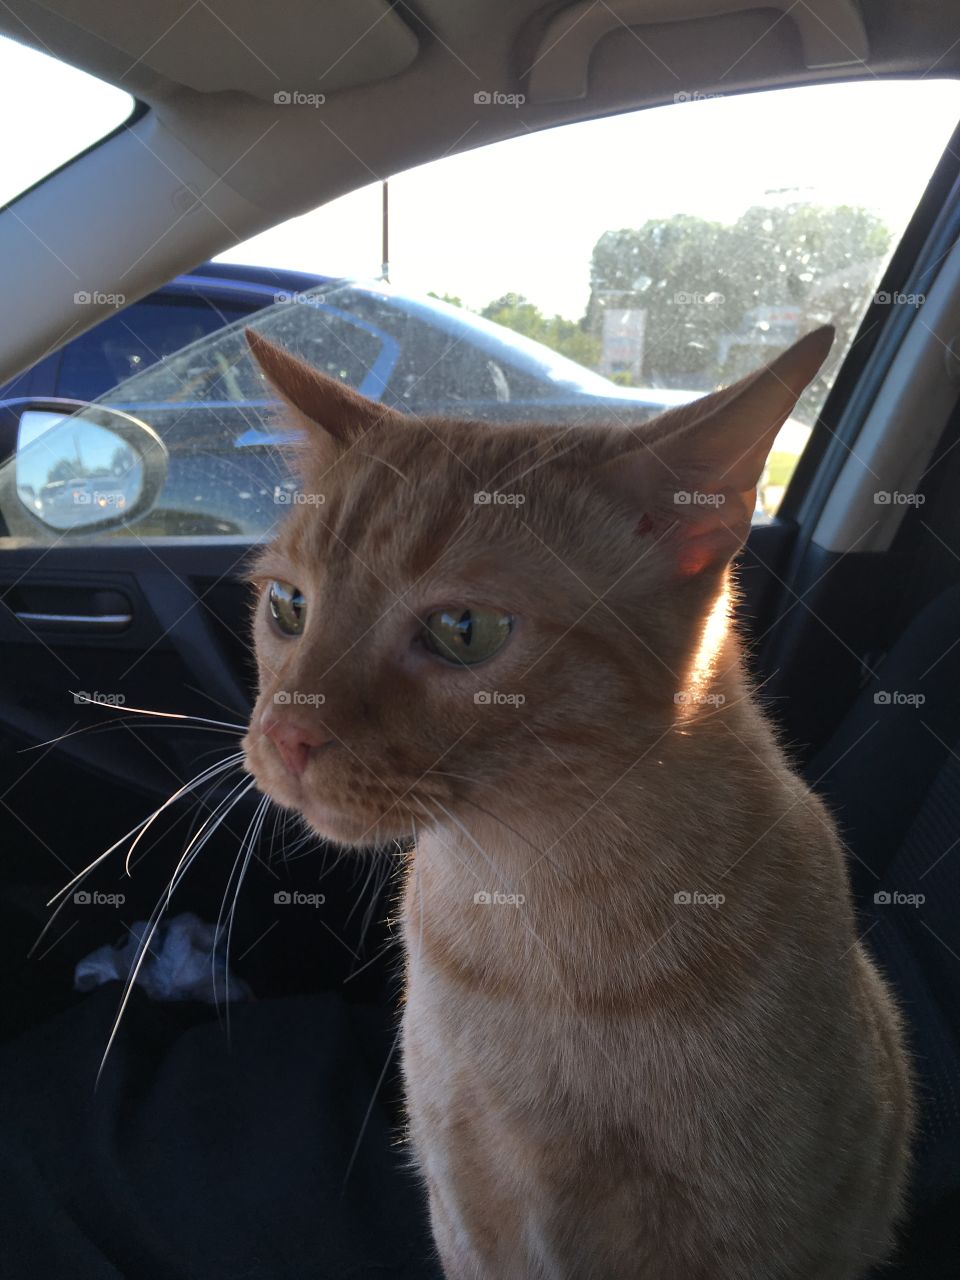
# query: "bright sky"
524 215
48 113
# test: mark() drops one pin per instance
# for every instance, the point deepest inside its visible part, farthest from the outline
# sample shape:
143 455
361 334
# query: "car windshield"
39 85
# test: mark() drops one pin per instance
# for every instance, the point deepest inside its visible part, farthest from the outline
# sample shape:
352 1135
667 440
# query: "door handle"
83 610
103 622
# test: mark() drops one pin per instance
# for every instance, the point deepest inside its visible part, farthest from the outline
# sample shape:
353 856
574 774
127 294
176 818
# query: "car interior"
261 1137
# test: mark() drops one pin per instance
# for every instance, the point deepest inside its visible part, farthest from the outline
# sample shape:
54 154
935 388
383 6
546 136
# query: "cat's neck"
585 867
707 768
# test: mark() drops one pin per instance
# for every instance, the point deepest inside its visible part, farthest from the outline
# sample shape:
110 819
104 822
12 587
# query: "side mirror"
78 468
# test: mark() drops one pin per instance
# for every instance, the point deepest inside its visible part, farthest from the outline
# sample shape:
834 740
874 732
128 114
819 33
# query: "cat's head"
457 613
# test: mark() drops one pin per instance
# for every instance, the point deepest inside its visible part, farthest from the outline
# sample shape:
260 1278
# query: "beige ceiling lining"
247 46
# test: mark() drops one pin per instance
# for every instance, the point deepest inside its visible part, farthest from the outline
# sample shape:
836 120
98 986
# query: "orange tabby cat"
640 1036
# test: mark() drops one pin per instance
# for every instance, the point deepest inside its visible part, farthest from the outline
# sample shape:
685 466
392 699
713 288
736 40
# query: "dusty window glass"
600 271
668 250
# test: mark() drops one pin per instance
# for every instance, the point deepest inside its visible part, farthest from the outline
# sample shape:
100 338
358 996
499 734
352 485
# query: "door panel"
184 651
160 660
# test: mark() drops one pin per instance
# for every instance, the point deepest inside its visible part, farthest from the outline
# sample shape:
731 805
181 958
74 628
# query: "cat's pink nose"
294 741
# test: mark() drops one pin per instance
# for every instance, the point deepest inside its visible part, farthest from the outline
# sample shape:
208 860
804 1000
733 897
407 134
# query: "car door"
128 669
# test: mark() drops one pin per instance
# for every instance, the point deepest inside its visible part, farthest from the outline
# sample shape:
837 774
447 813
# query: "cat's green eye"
466 635
287 607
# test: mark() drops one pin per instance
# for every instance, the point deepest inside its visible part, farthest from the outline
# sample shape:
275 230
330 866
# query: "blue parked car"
216 294
178 362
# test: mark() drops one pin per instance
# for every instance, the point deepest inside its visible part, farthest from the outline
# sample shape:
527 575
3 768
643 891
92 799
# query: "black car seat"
891 775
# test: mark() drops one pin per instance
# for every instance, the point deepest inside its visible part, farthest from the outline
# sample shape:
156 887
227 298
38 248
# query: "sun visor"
299 47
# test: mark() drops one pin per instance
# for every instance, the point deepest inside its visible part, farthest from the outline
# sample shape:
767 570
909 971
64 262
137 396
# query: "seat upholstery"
891 775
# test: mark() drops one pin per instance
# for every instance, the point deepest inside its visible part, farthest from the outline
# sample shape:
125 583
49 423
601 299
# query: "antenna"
385 234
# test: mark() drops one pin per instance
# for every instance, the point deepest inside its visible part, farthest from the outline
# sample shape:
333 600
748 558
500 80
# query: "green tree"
446 297
719 297
676 270
569 337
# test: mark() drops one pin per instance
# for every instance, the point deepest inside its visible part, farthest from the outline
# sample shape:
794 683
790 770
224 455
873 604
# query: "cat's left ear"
314 399
693 479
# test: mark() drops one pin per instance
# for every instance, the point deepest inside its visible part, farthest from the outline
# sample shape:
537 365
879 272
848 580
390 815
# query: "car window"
316 325
39 87
134 339
599 271
669 250
441 356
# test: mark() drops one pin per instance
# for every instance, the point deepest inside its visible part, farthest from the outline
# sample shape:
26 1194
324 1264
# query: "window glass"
599 271
670 250
134 339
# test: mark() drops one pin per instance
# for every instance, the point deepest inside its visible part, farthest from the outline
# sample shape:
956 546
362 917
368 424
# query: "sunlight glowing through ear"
703 668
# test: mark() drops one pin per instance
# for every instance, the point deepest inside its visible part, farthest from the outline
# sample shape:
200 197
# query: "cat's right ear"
692 476
313 399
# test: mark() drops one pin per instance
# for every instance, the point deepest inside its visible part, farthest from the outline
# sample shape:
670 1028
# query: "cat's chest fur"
601 1074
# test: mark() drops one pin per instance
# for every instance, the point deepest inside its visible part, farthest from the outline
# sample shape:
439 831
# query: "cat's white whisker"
553 456
85 699
78 879
81 875
279 827
497 871
209 826
396 470
181 869
542 853
355 973
93 729
289 853
96 861
369 1111
251 840
188 786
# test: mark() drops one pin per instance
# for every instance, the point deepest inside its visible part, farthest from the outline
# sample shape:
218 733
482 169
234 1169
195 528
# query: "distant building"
622 342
